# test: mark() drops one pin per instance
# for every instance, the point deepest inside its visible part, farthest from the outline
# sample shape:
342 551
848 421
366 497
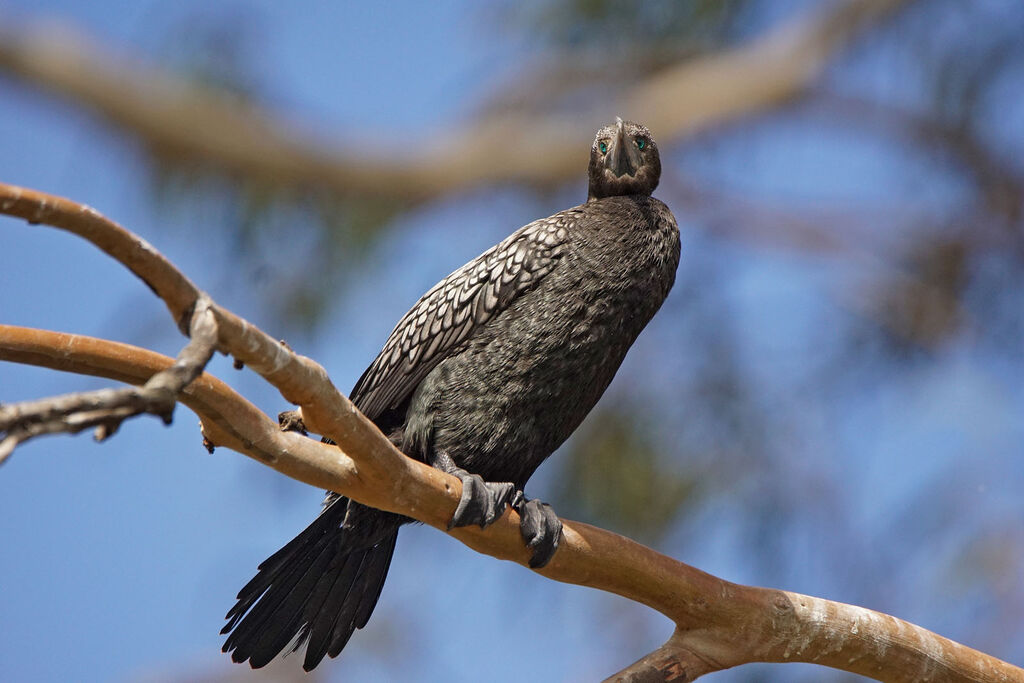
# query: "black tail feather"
319 587
282 577
271 567
283 615
343 606
320 627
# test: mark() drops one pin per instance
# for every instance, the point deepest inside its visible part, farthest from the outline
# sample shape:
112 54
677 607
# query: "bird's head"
624 160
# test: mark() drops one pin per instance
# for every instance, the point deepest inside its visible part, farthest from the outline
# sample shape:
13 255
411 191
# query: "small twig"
227 418
106 409
670 662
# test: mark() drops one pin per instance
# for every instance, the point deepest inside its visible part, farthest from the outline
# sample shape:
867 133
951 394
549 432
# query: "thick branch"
186 121
719 624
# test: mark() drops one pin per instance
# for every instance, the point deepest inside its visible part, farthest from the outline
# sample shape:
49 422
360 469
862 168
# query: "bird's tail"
317 589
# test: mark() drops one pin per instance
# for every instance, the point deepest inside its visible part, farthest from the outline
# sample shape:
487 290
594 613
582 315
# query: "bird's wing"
447 315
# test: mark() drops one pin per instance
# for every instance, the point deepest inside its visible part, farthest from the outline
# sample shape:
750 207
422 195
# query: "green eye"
603 146
641 143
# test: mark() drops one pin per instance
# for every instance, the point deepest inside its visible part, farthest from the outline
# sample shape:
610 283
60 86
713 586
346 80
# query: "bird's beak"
623 157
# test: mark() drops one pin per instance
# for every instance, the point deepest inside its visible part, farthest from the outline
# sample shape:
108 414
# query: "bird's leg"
483 502
540 527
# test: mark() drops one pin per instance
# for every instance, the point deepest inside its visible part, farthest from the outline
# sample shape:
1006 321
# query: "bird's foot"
482 502
540 528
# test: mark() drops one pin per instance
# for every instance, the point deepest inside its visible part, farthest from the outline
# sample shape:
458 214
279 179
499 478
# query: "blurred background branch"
197 124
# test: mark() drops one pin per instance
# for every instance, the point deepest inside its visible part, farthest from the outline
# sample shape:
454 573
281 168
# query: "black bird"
484 378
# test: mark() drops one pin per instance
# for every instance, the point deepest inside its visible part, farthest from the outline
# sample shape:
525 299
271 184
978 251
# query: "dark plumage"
487 374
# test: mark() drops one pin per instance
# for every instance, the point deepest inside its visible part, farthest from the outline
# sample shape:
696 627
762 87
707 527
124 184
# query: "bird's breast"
523 383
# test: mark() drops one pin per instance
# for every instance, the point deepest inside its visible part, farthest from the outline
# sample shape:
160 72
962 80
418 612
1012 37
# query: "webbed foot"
540 527
483 502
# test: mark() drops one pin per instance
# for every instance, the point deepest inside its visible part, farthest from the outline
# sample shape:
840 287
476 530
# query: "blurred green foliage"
616 475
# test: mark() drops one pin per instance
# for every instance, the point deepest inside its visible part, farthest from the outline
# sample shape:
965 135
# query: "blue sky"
123 558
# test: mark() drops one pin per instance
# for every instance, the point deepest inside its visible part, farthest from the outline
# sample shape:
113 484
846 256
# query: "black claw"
482 502
541 529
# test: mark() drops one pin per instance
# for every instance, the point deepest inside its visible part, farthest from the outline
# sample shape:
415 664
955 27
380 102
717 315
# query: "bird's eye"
641 143
603 146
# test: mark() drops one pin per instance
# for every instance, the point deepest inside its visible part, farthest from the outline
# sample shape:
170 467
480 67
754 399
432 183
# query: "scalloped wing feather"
447 315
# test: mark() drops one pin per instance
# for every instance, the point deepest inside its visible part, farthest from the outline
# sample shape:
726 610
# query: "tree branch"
106 409
185 121
719 624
